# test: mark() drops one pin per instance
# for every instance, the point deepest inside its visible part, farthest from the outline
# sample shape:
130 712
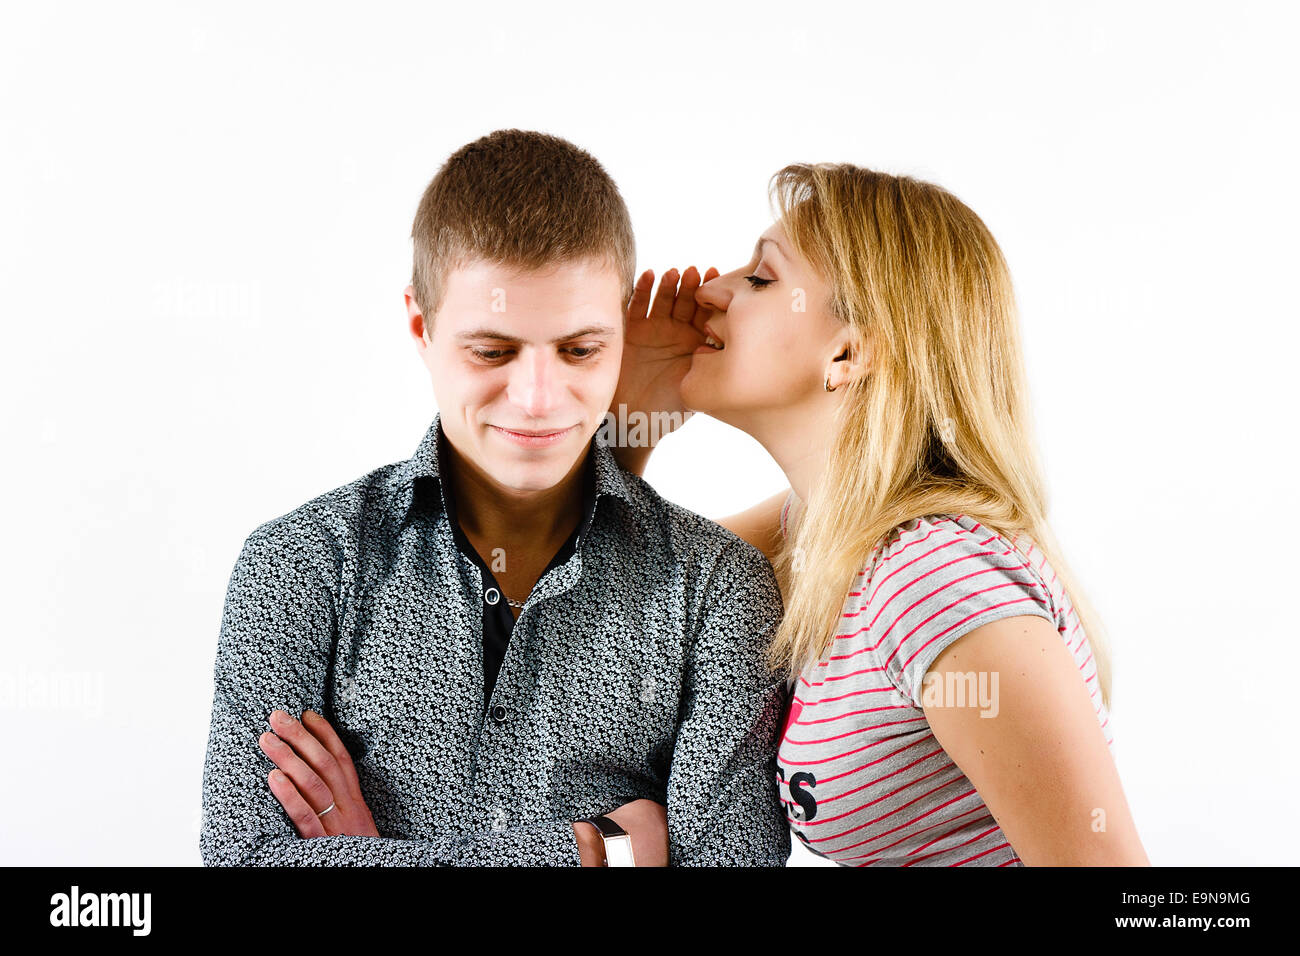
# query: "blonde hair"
940 423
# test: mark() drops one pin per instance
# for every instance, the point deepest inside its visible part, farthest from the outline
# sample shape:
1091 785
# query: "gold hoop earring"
826 383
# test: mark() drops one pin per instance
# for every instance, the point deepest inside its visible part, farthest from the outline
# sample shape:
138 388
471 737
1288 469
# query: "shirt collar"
423 468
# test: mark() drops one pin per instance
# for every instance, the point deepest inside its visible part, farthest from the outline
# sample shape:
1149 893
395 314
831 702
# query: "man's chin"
531 480
528 469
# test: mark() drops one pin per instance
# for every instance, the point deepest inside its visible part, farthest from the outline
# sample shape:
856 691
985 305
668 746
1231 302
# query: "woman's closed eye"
758 283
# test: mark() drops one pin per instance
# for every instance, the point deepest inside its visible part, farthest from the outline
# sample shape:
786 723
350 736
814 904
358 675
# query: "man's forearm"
244 824
723 804
742 825
541 844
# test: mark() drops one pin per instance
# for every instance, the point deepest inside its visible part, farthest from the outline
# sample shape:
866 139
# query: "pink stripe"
872 763
849 753
950 833
985 853
827 680
911 783
951 627
992 829
901 826
855 693
915 833
915 581
825 740
873 782
942 610
900 570
851 713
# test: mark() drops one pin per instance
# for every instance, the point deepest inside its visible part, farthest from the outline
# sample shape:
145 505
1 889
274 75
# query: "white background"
204 222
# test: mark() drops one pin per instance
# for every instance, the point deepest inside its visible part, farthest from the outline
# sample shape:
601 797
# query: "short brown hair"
518 198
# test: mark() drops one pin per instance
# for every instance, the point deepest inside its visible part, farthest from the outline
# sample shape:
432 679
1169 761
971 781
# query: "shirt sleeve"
936 584
723 807
278 632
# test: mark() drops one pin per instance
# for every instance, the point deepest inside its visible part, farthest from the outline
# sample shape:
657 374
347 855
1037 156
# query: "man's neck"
489 512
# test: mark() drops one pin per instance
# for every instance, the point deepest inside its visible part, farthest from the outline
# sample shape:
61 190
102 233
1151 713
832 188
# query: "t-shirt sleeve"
934 584
785 511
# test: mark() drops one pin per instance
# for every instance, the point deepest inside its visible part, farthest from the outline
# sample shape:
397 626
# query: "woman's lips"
533 440
711 342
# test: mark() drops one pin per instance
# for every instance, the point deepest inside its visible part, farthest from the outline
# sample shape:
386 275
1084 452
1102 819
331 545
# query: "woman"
949 691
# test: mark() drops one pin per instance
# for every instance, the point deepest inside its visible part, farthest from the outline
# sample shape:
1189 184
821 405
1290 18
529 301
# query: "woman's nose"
714 294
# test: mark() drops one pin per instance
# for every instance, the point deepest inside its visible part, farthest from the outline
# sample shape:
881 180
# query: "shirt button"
499 714
492 595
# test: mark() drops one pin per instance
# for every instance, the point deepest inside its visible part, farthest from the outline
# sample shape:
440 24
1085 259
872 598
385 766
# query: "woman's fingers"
684 304
639 304
304 818
672 301
662 307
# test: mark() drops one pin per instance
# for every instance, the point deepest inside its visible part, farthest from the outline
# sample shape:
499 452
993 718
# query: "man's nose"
534 383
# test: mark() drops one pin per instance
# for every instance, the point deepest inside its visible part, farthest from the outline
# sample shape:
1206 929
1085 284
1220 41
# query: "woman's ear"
851 363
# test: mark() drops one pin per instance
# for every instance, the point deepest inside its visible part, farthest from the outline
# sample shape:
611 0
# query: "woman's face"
772 317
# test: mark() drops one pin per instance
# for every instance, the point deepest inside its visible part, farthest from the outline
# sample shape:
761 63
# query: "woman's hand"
645 821
315 770
657 347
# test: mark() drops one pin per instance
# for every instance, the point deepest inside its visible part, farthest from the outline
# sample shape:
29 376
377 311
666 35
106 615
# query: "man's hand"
657 347
645 821
315 770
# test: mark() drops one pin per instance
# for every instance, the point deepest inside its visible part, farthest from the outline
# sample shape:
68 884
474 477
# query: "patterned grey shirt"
634 670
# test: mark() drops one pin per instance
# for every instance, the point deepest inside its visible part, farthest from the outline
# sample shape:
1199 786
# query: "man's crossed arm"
275 645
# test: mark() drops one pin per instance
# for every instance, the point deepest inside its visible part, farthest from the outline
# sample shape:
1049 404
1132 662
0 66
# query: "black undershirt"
498 620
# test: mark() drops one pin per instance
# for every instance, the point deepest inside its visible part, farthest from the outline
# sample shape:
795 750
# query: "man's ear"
419 329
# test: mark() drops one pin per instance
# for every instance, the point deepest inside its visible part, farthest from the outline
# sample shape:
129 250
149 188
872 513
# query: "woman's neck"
798 438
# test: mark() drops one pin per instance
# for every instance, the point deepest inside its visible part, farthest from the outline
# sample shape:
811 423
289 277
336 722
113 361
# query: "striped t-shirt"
863 780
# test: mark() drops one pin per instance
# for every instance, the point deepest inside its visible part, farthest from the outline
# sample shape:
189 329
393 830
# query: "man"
463 657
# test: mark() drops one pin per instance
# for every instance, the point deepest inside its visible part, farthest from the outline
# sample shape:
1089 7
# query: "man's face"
524 365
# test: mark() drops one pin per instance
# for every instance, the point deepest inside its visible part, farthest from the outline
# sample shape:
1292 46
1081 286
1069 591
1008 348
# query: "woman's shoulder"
934 579
953 553
927 535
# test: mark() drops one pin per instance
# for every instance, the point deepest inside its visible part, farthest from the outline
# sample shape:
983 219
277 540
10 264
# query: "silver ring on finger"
326 810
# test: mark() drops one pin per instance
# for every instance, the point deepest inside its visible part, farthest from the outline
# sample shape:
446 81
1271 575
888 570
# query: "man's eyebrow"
497 335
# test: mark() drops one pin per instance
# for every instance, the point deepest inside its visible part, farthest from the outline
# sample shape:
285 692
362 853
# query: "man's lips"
533 432
534 437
